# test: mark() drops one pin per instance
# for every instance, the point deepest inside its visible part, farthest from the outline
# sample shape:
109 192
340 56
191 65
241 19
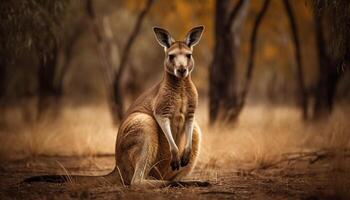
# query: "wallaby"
158 140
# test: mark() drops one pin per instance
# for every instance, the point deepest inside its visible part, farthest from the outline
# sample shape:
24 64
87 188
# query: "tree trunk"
108 52
226 102
51 74
117 89
47 90
2 88
328 74
222 92
2 78
251 56
299 68
67 51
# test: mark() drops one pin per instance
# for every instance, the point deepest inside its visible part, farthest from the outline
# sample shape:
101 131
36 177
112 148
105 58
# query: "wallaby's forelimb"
164 124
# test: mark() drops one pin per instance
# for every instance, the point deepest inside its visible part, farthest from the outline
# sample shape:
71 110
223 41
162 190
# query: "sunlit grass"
78 131
263 134
260 137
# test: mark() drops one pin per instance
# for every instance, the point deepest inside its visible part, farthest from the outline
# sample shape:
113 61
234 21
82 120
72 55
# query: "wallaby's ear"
194 35
163 37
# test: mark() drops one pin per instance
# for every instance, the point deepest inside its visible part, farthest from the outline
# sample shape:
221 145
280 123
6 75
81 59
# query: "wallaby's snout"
178 54
183 63
181 72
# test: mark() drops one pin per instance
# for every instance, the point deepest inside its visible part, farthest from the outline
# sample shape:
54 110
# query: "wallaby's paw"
175 165
185 157
175 160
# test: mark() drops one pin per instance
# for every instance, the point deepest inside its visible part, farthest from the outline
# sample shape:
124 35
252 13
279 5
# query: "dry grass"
78 131
261 136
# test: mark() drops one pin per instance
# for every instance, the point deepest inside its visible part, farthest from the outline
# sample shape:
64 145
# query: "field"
268 154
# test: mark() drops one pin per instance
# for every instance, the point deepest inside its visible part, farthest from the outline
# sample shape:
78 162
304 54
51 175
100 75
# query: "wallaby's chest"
176 104
181 102
181 108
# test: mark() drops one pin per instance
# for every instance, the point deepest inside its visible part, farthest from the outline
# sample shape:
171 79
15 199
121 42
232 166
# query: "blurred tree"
48 91
337 18
331 27
108 52
329 74
74 26
2 78
251 55
222 93
109 55
238 29
35 26
51 72
226 102
299 68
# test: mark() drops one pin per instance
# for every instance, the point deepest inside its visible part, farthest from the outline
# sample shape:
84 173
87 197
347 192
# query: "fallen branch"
312 157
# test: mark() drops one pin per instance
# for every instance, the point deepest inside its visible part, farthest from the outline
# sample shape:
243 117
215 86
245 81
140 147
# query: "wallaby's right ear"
163 37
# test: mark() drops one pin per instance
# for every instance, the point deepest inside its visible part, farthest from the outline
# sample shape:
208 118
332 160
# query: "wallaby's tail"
48 178
111 178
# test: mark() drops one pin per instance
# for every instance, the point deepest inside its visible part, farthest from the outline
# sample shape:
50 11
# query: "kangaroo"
158 140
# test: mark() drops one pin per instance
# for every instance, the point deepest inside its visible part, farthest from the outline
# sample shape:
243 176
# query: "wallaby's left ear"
194 35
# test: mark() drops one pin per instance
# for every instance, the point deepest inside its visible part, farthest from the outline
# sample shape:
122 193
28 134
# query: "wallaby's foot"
175 164
175 160
186 157
189 184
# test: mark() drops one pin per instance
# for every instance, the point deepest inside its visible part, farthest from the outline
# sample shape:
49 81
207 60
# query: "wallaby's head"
178 54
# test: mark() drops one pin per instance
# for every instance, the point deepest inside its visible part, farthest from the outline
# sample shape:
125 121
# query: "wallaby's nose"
182 71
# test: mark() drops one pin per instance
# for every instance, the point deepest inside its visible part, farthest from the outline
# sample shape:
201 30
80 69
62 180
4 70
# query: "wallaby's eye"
188 56
171 57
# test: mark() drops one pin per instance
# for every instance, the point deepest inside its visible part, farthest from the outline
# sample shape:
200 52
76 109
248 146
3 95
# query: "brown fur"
140 139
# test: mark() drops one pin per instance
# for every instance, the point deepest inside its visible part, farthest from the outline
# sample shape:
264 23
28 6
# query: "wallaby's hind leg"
141 170
136 150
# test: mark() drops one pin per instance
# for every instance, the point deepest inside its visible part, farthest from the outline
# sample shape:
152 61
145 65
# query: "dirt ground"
293 179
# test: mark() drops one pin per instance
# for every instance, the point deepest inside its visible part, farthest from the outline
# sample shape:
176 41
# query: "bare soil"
295 179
